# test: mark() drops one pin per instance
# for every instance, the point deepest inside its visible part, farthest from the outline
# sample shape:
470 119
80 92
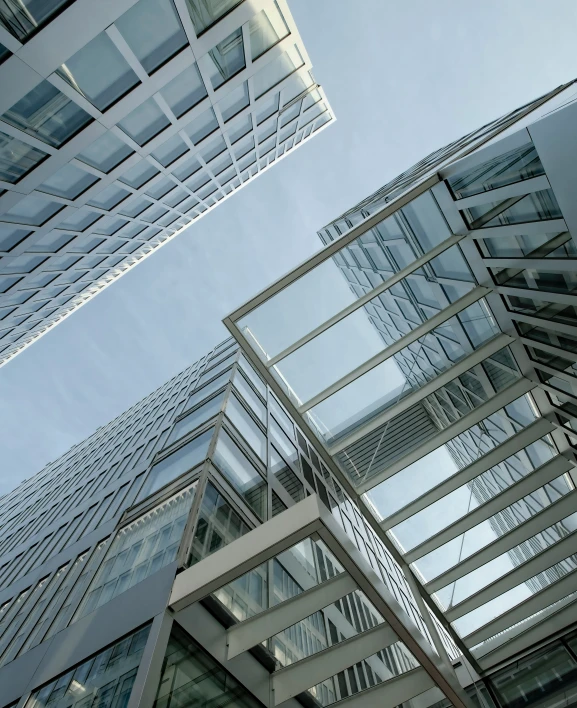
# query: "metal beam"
555 592
549 348
254 630
526 186
517 442
557 298
391 693
332 248
533 228
367 297
503 398
546 559
534 480
550 515
545 323
545 264
416 396
291 680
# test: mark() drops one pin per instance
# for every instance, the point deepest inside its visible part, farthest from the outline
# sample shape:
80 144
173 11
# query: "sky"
403 79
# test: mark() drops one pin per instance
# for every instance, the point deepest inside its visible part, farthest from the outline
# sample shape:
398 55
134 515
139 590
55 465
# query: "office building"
436 371
122 123
310 515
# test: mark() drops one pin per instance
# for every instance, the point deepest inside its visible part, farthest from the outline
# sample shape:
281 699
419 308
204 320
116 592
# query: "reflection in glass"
17 158
225 60
193 420
242 474
266 29
139 550
99 72
25 18
153 31
68 182
145 122
106 152
204 13
47 114
275 71
246 426
96 681
184 91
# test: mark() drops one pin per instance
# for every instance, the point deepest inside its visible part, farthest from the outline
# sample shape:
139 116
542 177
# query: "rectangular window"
139 550
197 417
225 60
17 158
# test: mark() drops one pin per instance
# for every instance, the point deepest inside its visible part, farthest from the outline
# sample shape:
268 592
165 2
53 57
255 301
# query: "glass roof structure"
114 143
430 347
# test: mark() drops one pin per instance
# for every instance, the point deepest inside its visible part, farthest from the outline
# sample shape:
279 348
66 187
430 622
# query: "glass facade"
165 112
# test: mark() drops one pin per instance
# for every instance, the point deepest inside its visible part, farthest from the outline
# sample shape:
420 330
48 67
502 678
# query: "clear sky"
404 79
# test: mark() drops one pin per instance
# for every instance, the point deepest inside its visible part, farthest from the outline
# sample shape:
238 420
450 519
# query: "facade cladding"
118 133
437 373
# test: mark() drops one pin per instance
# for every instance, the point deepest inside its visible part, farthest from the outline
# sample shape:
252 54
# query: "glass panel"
202 393
281 471
266 29
109 197
513 166
202 126
99 72
218 525
225 60
179 462
234 464
538 206
197 417
245 425
144 122
27 17
11 236
98 680
47 114
273 73
32 210
464 545
106 152
153 31
236 101
17 158
205 13
170 150
68 182
185 91
138 175
139 550
191 677
250 397
80 220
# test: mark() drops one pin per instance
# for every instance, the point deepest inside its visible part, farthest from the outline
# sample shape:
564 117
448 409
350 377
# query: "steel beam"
503 398
514 444
533 228
255 630
546 473
291 680
550 515
517 189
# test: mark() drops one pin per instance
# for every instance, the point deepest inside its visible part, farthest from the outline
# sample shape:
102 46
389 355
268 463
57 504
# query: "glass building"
118 133
369 501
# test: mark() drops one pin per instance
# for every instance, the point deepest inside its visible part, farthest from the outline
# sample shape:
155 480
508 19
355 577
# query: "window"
153 31
266 29
225 60
170 150
80 219
238 469
138 550
145 121
106 152
109 197
196 418
202 126
246 426
17 158
179 462
32 210
204 13
26 17
236 101
47 114
138 175
106 676
68 182
99 72
273 73
11 236
185 91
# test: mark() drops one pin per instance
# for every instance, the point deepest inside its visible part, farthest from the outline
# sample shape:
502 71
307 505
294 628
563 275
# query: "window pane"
197 417
218 524
237 468
225 60
80 220
99 72
11 236
47 114
101 677
109 197
32 210
17 158
235 102
68 182
246 427
266 29
138 175
204 14
198 129
184 459
139 550
25 18
170 150
202 393
153 31
273 73
106 153
185 91
145 121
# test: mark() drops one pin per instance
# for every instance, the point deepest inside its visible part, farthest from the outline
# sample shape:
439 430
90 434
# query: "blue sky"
403 79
